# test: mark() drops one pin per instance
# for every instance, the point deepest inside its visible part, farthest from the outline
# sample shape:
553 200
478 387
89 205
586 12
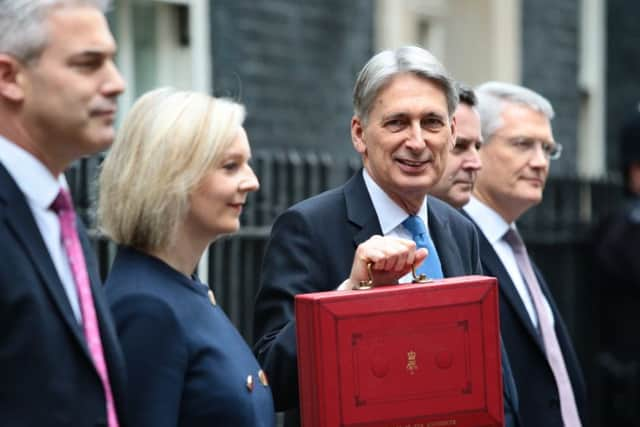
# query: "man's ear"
454 135
11 78
357 132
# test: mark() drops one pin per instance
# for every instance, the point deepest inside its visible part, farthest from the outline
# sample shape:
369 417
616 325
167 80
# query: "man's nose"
114 84
538 157
415 140
472 161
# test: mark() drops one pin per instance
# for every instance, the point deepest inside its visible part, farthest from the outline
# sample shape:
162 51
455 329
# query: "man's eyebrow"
402 115
396 115
94 53
433 114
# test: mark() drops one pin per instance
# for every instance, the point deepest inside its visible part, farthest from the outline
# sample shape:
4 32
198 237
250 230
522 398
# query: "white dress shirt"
494 227
391 215
40 189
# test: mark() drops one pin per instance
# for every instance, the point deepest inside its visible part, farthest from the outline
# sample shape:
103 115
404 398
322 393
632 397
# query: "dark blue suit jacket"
187 363
311 249
47 377
537 391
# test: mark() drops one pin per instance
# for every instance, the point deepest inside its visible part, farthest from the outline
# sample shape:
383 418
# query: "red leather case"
413 355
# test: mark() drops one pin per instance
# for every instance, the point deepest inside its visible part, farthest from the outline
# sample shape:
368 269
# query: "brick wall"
550 37
293 64
622 69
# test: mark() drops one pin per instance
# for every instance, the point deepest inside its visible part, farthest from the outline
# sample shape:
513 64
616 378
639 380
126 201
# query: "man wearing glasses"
516 154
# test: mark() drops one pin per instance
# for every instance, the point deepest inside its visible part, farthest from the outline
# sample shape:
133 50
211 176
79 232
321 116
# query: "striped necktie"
552 346
63 207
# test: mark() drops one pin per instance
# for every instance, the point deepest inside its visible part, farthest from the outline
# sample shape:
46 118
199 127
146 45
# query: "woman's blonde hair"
167 143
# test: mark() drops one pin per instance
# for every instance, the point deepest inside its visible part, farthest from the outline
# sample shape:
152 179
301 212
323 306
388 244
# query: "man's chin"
417 183
532 198
460 199
99 142
463 186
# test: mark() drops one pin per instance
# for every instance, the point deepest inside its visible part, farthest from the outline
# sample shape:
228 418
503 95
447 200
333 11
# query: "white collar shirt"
391 216
40 189
494 227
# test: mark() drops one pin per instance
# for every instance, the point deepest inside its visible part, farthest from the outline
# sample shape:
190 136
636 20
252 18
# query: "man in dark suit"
402 128
463 162
455 186
60 361
517 150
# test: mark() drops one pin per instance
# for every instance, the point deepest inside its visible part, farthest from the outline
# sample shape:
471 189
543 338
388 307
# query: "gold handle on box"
418 278
363 285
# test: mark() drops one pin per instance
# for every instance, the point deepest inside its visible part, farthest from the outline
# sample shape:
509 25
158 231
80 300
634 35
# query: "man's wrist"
347 285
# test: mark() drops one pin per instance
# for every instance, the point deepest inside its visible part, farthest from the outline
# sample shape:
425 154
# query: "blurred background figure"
516 156
175 180
60 361
616 250
463 161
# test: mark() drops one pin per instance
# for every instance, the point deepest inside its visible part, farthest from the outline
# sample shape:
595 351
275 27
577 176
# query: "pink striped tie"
555 357
63 207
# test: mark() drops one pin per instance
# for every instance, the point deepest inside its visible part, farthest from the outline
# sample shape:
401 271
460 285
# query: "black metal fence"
557 234
286 177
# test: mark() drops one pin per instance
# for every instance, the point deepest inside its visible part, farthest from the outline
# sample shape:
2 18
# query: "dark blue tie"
431 266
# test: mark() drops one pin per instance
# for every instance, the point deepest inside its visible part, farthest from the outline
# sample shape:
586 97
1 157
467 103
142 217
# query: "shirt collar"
490 222
390 214
30 175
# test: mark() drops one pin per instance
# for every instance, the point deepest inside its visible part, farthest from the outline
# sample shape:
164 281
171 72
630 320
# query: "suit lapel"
360 210
94 279
108 335
362 214
20 221
492 265
444 241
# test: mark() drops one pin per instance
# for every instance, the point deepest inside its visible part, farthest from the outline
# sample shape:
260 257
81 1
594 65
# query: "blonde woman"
176 179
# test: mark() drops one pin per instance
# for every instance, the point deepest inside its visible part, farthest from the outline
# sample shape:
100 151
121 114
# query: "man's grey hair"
493 97
378 72
23 34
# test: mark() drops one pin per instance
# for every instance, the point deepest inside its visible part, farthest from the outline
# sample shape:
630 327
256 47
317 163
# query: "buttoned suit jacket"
47 377
537 390
311 249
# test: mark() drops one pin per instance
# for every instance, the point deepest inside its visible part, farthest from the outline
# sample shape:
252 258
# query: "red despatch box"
415 355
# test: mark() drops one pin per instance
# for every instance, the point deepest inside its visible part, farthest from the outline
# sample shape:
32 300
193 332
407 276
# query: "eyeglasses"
524 145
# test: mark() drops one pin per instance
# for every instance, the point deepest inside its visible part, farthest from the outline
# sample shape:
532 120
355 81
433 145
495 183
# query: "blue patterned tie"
431 266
